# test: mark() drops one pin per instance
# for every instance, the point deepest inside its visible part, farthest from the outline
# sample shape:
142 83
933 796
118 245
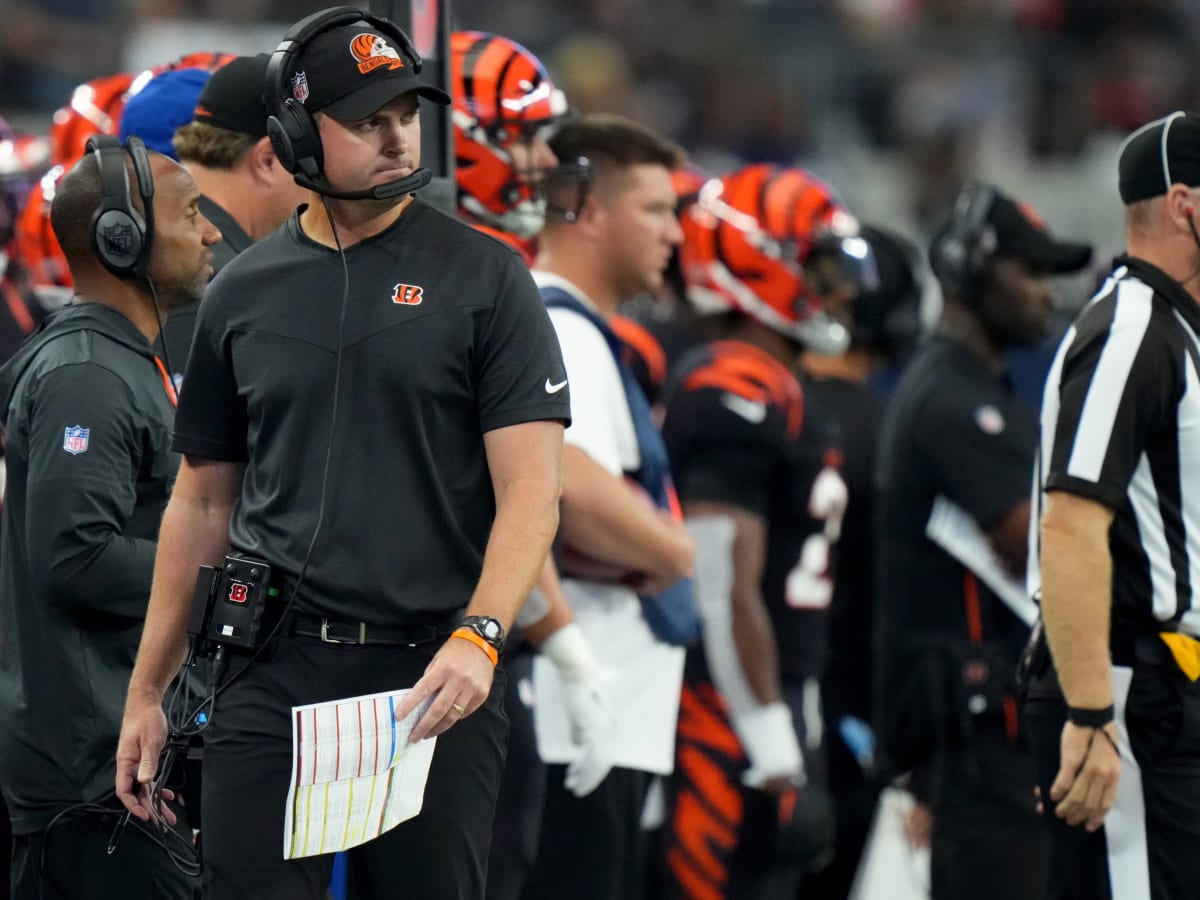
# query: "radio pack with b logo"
228 603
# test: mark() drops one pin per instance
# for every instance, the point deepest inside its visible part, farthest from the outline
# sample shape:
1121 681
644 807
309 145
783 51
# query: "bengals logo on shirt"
408 294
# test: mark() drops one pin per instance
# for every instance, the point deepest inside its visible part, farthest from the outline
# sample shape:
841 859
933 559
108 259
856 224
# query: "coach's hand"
1086 786
143 734
458 678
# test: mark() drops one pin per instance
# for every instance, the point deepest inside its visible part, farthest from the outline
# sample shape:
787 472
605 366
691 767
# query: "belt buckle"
326 639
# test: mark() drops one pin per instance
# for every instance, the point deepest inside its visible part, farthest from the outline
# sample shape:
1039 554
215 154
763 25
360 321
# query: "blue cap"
163 105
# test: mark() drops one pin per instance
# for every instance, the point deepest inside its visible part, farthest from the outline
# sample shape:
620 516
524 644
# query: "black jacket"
87 423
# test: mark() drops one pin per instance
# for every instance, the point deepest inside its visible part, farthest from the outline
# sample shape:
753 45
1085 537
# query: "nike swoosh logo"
750 410
555 388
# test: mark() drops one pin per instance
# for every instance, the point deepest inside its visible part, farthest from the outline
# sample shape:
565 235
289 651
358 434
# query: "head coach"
376 426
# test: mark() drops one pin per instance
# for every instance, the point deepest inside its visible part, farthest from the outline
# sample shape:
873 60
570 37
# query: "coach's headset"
960 256
294 134
121 236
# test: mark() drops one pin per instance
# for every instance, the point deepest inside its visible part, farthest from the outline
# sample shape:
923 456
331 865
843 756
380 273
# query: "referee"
1118 747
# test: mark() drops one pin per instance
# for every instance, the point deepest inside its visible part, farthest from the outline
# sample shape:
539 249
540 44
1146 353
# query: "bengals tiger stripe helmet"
503 96
688 181
95 107
777 245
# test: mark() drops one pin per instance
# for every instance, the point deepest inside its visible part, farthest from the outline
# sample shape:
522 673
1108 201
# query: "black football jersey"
736 431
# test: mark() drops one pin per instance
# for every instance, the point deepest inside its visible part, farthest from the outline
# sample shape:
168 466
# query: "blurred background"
895 102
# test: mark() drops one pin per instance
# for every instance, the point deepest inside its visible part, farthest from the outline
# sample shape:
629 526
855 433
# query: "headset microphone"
385 191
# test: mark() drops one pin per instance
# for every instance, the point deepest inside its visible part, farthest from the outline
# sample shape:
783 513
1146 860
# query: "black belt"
340 631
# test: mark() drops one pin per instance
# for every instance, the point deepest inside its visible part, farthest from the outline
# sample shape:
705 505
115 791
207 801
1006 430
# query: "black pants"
71 862
517 827
593 847
441 854
1146 849
988 842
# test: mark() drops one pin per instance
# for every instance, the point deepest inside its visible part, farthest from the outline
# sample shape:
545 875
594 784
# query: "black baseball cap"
1159 154
233 97
1022 234
351 71
1016 231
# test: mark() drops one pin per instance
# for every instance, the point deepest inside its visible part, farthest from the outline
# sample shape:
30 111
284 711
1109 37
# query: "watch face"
487 628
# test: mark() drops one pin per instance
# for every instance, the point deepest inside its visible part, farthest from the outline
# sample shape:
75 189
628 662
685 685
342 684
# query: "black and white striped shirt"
1121 425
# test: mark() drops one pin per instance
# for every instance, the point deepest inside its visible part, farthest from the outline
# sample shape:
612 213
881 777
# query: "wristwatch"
487 628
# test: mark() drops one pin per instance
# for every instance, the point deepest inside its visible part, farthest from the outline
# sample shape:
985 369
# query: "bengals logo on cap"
373 51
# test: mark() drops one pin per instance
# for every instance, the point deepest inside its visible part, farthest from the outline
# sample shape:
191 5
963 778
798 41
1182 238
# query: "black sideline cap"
233 97
1021 234
351 71
1159 154
1015 230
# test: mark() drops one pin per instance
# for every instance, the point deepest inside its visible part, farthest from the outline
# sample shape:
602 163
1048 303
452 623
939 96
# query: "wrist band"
1090 718
467 634
767 735
571 654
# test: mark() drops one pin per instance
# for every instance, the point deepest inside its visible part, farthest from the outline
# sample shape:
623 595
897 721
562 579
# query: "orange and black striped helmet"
688 181
95 107
502 95
776 244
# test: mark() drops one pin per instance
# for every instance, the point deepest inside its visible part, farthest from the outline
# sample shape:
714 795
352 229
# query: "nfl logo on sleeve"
75 439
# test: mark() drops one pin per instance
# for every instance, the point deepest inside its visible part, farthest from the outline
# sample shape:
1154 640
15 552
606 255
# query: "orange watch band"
468 635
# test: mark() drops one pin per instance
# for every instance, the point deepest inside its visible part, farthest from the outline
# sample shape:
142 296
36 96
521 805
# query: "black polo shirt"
445 338
953 430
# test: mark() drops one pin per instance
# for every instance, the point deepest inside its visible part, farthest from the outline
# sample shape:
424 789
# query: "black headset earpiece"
121 236
293 133
961 255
